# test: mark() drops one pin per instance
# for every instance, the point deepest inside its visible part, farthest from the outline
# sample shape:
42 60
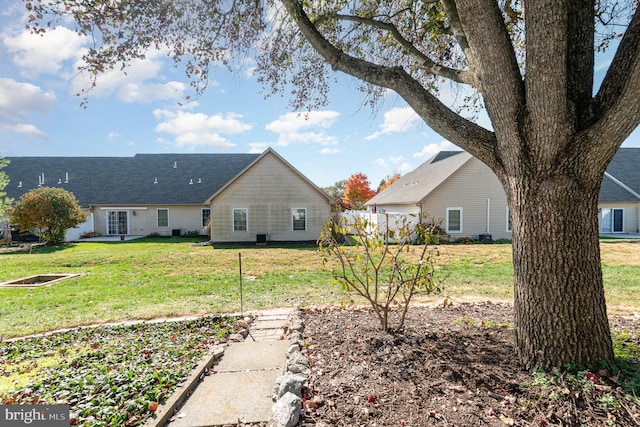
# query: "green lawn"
154 277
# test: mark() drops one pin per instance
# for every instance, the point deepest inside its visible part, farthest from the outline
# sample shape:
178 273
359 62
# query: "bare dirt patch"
453 366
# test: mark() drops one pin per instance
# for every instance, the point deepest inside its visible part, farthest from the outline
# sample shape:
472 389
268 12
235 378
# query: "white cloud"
23 97
294 122
396 120
133 84
333 150
431 149
258 147
18 101
397 164
319 138
198 129
24 129
36 54
295 128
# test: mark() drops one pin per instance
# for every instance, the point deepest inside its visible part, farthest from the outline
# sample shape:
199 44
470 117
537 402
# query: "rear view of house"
454 188
230 197
466 196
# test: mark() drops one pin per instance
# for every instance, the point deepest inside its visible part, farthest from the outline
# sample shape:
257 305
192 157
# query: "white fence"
381 221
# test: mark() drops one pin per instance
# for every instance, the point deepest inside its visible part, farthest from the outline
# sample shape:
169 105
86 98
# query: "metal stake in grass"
240 268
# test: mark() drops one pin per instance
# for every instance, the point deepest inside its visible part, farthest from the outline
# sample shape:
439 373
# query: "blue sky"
145 112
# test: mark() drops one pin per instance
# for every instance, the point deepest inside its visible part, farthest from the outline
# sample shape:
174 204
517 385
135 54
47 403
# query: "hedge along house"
465 195
176 194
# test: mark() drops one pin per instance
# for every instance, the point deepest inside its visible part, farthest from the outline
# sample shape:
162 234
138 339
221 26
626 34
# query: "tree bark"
560 310
550 144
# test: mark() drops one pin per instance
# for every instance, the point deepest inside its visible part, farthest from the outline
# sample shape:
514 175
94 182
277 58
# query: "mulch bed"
451 366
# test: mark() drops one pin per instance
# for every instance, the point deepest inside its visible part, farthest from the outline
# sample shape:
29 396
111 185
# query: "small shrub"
192 233
433 229
380 265
465 241
90 234
47 212
502 241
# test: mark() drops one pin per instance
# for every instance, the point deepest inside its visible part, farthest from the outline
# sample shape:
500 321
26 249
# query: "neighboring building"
243 195
462 192
619 198
455 188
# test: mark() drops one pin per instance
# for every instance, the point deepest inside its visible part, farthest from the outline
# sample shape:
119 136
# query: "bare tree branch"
462 132
456 27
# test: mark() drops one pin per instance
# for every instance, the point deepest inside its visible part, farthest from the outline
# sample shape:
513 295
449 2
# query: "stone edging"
181 394
287 392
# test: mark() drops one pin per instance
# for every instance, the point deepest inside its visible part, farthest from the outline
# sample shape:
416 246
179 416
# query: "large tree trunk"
560 310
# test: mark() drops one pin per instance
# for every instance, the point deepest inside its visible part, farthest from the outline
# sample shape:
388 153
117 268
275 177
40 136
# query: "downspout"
488 229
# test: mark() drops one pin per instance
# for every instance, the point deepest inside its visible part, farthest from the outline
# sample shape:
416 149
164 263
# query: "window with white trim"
206 216
240 219
454 220
163 217
299 219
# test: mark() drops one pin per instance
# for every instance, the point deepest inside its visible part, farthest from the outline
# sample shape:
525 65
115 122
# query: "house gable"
414 187
621 182
267 191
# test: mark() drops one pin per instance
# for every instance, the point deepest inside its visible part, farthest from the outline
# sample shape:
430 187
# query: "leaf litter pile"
109 375
456 366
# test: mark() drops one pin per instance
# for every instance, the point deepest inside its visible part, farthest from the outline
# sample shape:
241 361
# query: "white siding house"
177 194
465 195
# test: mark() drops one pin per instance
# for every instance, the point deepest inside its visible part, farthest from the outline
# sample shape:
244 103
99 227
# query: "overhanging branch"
427 64
460 131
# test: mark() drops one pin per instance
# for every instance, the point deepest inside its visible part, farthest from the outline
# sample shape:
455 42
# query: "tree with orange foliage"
387 181
357 190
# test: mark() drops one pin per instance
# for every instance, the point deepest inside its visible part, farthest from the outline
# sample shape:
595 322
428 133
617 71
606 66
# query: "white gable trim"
621 184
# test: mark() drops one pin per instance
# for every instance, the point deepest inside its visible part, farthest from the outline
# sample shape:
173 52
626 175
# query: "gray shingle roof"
413 187
624 168
623 174
145 179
